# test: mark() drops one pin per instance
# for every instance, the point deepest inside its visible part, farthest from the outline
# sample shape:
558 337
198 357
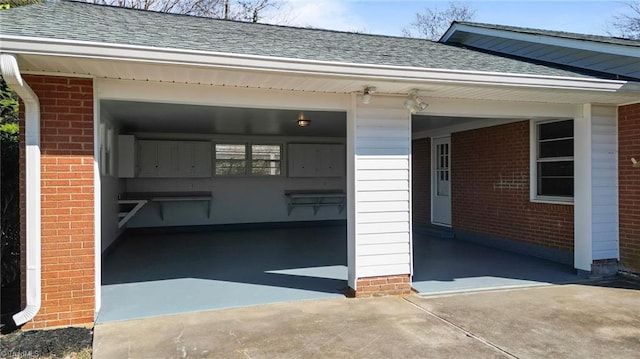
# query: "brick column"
629 187
68 265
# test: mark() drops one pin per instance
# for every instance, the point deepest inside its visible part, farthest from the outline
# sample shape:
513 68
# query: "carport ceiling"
420 123
178 118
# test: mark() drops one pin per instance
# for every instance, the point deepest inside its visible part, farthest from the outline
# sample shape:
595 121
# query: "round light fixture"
302 122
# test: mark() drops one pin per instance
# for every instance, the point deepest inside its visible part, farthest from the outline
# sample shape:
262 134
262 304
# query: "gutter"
11 74
170 56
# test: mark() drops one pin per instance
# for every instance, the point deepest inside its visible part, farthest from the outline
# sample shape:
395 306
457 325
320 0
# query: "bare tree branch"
433 22
627 25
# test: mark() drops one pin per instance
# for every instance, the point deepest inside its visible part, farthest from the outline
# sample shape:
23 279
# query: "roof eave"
576 44
146 54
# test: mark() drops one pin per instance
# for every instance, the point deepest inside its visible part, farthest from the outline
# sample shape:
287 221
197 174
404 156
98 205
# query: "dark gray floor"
159 274
450 265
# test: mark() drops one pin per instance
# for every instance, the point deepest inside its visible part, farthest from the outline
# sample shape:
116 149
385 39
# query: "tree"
627 25
242 10
433 22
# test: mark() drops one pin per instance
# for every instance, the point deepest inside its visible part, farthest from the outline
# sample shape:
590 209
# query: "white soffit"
142 71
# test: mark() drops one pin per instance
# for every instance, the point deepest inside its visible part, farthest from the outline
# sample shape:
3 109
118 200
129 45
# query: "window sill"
552 200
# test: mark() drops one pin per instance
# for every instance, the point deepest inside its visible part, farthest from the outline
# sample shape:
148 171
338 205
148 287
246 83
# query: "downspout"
11 74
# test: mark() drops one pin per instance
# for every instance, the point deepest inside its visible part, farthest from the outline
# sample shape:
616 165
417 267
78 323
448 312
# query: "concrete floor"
449 265
153 275
595 320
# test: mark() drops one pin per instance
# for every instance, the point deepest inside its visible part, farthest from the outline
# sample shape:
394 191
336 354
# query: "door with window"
441 181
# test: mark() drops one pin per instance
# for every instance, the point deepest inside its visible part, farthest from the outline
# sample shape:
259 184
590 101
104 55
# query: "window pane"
265 160
555 169
230 152
230 159
555 178
558 129
560 187
556 148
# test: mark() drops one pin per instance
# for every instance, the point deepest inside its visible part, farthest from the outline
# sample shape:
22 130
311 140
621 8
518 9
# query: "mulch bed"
54 343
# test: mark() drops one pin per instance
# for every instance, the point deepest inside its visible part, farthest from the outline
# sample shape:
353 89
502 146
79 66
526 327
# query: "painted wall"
421 180
382 185
243 199
110 187
629 186
490 189
68 242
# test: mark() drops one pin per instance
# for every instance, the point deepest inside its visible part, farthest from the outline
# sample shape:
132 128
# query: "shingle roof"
553 33
106 24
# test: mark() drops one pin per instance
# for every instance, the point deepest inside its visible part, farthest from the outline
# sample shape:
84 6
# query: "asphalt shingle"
96 23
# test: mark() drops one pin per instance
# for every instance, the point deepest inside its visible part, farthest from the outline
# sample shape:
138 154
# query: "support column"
380 250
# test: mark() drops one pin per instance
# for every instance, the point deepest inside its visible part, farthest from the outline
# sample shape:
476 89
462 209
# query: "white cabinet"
316 160
126 156
174 159
194 159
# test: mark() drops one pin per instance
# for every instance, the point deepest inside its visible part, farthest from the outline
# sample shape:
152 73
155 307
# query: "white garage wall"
110 187
236 200
383 207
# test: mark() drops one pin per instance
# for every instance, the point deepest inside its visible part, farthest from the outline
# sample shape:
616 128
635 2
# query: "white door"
441 180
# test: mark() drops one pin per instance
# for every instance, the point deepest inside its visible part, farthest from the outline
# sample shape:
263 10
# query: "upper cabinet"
316 160
173 159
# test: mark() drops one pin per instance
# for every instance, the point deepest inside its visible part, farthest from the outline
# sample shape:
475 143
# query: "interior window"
266 160
231 159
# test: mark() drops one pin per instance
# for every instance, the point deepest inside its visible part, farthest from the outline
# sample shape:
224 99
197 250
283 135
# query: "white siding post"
380 134
582 191
596 188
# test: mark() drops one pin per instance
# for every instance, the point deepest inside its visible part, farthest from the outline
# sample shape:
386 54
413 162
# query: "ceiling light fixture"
366 96
415 103
302 122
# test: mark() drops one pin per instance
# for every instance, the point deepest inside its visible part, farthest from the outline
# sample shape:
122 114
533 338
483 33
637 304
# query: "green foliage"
7 4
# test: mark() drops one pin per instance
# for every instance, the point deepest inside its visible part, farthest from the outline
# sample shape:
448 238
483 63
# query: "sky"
389 17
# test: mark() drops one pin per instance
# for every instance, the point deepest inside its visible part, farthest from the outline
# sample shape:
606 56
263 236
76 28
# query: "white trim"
11 74
146 54
410 200
352 194
543 39
58 74
97 200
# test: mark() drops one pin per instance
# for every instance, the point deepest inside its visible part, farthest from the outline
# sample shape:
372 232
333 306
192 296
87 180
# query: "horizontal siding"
604 182
383 142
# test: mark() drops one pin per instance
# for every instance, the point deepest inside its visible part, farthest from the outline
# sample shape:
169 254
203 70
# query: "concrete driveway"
592 320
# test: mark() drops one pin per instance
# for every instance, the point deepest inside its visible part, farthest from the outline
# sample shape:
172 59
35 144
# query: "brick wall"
490 189
382 286
629 182
421 180
68 273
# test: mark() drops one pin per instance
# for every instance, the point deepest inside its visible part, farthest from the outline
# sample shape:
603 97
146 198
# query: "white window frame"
533 164
248 168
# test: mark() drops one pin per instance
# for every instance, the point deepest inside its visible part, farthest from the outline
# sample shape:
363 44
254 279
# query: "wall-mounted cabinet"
172 159
126 156
316 160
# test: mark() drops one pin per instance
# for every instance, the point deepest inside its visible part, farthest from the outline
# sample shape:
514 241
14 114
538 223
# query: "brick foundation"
490 189
383 286
421 180
629 187
68 265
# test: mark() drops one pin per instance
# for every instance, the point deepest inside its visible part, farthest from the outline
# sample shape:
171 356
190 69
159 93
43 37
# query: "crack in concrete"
465 331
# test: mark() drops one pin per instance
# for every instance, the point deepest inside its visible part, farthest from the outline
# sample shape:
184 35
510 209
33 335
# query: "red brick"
67 200
629 187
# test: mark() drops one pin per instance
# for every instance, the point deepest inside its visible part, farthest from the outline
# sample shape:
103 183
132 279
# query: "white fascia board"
146 54
586 45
